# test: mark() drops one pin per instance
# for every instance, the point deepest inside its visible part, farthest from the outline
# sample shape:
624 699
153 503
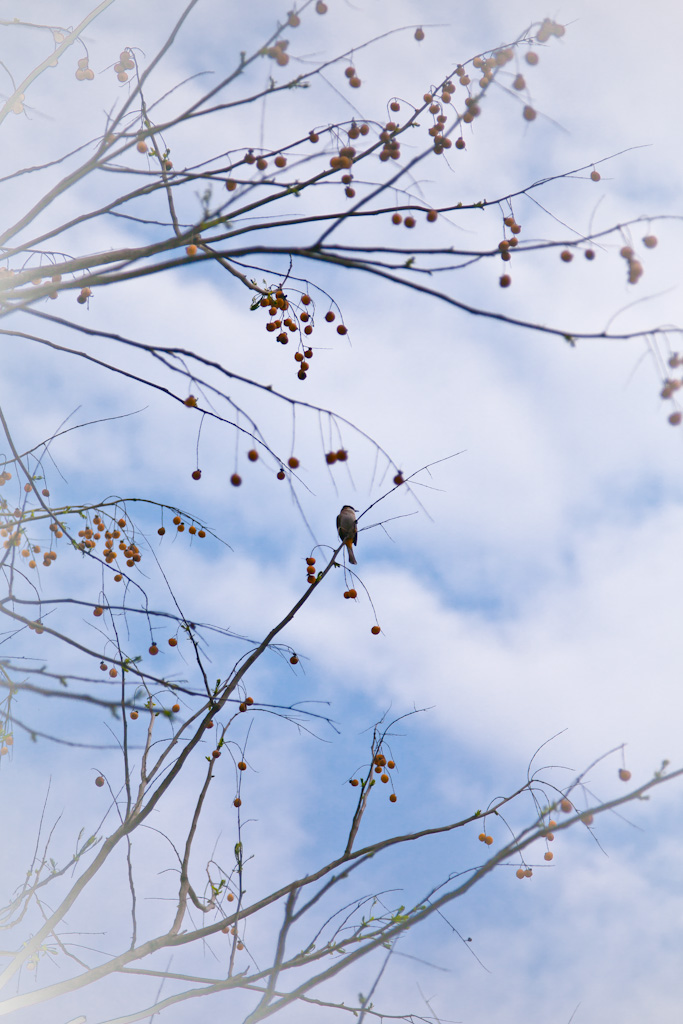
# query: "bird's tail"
352 557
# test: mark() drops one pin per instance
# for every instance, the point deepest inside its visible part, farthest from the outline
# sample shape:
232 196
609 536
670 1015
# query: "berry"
624 774
375 630
197 474
99 781
235 479
595 175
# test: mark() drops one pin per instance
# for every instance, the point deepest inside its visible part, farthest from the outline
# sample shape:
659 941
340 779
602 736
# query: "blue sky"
534 591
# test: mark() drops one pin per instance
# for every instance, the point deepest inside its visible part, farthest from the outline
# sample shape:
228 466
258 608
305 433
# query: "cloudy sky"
527 588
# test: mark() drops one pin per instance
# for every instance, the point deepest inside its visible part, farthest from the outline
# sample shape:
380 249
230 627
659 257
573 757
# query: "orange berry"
209 724
330 458
154 649
99 781
175 708
172 642
505 281
197 474
216 754
342 455
231 185
242 766
393 798
566 256
432 216
235 479
281 474
529 114
98 611
243 706
566 806
252 455
294 660
191 249
595 175
142 146
293 462
650 241
236 803
375 630
520 872
384 778
134 715
352 593
489 840
118 577
624 774
355 82
409 222
587 819
547 855
482 837
341 329
589 254
280 161
531 58
113 673
329 316
528 873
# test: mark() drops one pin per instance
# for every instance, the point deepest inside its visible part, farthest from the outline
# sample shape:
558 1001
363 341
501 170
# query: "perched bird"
348 531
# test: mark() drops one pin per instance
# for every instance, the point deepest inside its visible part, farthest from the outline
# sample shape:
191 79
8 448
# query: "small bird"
348 531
